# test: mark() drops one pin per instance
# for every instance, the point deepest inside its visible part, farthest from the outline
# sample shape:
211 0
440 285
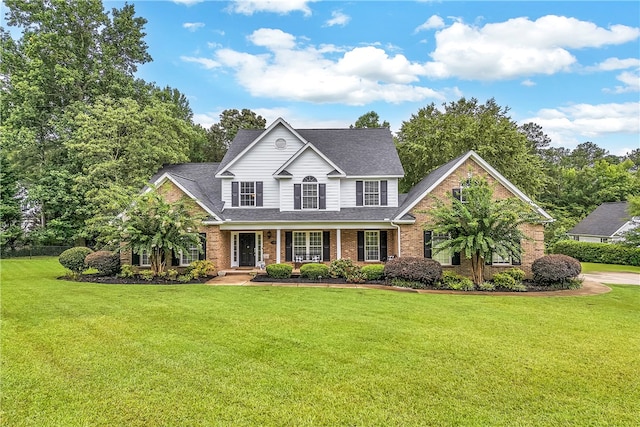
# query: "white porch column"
278 245
338 244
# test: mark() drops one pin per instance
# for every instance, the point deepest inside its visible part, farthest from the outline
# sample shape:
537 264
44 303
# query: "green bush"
356 276
506 282
456 282
517 274
200 268
184 278
279 271
486 286
314 271
415 269
373 271
73 259
603 253
147 275
555 268
107 263
342 268
127 271
172 274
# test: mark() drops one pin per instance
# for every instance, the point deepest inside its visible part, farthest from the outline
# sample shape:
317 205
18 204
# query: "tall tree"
10 211
481 226
370 120
222 133
537 140
433 137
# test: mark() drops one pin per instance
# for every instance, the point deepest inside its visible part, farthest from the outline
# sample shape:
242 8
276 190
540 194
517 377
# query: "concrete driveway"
614 278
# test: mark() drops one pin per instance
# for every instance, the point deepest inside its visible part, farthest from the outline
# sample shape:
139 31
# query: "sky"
571 67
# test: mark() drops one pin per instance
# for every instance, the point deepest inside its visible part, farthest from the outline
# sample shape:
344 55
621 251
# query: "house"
605 224
316 195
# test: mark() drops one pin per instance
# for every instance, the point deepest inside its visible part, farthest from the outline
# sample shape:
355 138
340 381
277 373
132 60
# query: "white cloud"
188 2
518 47
631 81
434 22
205 62
612 64
282 7
338 18
565 124
272 39
528 82
193 26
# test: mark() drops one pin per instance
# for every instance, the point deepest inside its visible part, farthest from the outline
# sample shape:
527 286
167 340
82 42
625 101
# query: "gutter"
398 238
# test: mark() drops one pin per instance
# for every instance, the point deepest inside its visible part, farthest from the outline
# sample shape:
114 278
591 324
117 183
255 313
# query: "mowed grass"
80 354
592 267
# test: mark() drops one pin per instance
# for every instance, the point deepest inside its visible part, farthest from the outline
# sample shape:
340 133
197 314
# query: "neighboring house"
605 224
316 195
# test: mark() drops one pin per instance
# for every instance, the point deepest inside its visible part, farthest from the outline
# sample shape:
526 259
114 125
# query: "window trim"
307 183
370 193
307 245
144 253
435 239
251 195
368 233
191 249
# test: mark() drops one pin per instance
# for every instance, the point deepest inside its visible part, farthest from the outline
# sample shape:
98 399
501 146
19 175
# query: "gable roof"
355 152
431 181
604 221
304 148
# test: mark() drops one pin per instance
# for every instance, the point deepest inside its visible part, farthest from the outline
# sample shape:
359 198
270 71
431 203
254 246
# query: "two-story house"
315 195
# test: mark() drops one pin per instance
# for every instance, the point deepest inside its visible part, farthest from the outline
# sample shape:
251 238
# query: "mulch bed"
114 280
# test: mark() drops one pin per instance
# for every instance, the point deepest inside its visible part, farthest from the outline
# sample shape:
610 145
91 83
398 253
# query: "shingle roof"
604 221
358 152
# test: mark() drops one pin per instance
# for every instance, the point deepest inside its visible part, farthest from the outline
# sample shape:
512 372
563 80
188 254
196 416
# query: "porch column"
338 244
278 245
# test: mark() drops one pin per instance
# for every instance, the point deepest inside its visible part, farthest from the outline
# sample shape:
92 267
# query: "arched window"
309 193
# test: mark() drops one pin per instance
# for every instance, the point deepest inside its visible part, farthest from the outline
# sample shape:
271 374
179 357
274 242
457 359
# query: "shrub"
200 268
127 271
423 270
486 286
342 268
314 271
504 281
147 275
516 273
356 276
279 271
73 259
555 268
402 283
373 271
456 282
186 277
172 274
603 253
107 263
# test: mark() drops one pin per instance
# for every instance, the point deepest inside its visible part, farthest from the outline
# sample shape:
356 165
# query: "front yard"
183 355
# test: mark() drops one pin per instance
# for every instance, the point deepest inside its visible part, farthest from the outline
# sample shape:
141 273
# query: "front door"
247 243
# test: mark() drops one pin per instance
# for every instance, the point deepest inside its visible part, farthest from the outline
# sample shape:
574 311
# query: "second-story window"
309 193
371 193
247 194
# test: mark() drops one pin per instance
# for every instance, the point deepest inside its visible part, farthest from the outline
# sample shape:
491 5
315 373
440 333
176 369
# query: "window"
191 255
247 194
144 259
371 193
444 256
307 245
372 246
459 193
498 260
309 193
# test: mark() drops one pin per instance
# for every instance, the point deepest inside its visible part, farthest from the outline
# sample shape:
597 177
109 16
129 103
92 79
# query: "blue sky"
572 67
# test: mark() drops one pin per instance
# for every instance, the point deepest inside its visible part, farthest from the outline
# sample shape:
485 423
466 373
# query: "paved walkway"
614 278
589 287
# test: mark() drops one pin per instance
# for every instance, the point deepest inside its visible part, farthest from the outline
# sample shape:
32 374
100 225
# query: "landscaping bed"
115 280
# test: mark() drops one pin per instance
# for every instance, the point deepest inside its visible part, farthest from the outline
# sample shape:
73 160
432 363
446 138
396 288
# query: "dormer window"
247 194
309 193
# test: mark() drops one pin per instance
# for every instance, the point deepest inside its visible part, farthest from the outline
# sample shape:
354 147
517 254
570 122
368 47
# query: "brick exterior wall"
412 236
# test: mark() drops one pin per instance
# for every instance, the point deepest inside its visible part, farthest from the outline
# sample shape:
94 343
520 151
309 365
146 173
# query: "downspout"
398 238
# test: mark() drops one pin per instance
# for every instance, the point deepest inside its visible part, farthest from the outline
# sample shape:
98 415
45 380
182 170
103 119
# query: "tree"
481 226
10 212
222 133
154 226
537 140
370 120
432 138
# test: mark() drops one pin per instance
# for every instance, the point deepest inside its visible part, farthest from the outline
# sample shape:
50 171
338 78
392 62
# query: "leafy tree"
222 133
433 137
154 226
586 154
10 211
370 120
481 226
634 205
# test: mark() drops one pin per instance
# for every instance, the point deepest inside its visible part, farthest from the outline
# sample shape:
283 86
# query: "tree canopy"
370 120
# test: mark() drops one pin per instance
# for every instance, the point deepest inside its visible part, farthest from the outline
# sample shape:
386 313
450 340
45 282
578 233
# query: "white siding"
259 164
309 163
348 191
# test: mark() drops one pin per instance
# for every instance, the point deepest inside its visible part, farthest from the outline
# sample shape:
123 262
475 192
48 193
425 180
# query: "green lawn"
592 267
79 354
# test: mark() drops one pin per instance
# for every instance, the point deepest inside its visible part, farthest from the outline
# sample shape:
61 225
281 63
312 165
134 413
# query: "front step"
239 271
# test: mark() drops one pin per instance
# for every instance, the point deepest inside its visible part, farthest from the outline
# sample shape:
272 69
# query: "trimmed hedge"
373 271
279 271
557 268
73 259
314 271
602 253
107 263
423 270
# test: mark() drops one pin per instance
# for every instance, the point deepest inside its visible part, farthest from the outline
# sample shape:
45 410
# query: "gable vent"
281 143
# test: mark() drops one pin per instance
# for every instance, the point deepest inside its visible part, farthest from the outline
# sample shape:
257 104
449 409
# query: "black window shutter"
427 244
360 245
383 245
359 193
297 196
288 246
326 246
175 258
135 258
258 193
383 193
235 194
456 193
455 259
322 196
203 242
